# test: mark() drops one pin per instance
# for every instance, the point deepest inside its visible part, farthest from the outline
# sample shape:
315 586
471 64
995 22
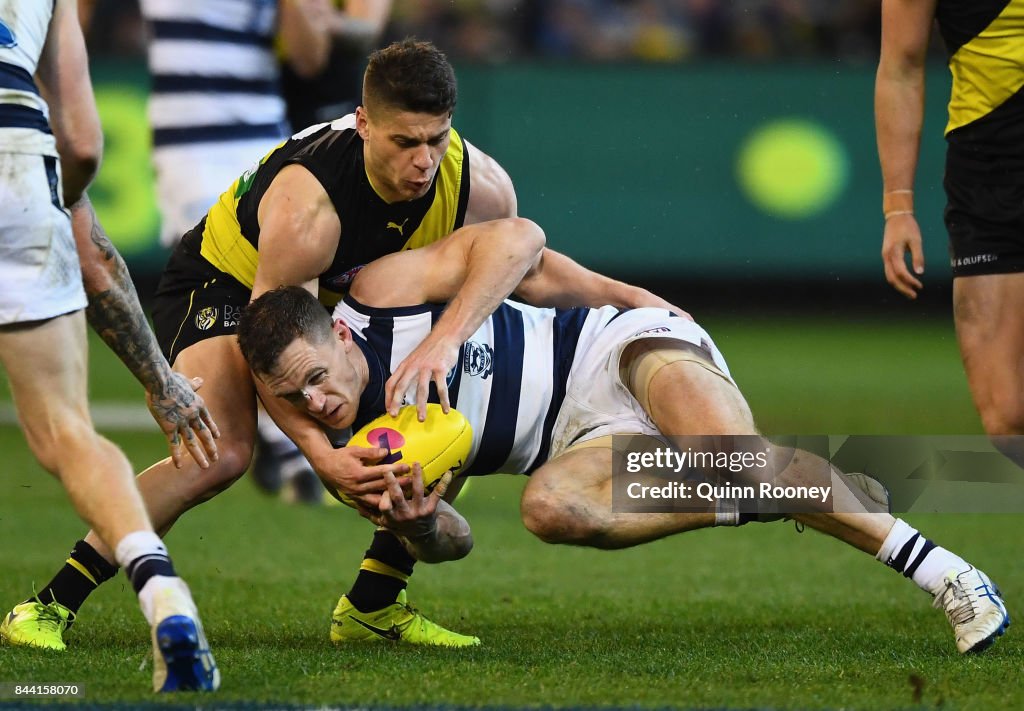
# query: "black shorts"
195 301
985 220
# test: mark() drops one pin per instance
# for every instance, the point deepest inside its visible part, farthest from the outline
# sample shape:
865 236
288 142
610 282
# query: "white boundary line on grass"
119 416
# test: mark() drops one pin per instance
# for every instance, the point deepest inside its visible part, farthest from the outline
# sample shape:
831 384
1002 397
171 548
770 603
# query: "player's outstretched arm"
899 115
116 315
556 280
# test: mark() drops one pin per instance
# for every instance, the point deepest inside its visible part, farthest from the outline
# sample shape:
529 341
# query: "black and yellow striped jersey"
370 227
985 43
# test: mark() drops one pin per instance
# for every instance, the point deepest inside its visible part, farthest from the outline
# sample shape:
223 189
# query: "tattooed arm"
116 315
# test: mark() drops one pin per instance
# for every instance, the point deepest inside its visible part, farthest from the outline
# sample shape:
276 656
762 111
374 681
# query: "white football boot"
181 655
974 607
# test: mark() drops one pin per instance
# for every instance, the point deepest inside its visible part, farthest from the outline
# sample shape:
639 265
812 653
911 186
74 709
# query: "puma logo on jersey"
399 227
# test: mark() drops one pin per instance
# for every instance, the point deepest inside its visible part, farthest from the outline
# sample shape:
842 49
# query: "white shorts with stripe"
597 403
40 276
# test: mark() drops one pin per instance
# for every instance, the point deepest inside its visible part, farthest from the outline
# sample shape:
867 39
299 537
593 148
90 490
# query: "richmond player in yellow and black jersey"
985 43
333 153
225 250
311 212
984 184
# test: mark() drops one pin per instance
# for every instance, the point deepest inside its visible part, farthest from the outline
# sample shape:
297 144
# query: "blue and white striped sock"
143 555
906 551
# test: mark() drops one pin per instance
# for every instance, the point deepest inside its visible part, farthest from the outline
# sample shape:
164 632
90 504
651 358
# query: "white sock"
906 551
138 544
144 558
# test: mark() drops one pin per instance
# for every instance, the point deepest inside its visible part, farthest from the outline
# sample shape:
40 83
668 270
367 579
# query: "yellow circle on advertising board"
792 168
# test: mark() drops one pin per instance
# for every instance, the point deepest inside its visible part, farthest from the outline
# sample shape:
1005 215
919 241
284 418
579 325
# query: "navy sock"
384 573
144 567
84 571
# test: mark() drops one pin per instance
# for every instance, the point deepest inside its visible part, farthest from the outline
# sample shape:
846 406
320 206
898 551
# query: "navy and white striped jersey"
214 72
24 116
510 379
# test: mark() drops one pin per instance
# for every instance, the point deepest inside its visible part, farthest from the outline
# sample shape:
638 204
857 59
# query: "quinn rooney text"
710 492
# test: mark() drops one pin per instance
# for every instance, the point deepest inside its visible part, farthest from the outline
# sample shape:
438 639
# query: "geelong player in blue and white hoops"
49 152
544 390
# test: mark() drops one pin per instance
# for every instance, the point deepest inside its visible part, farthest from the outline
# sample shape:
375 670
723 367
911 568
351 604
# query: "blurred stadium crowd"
598 30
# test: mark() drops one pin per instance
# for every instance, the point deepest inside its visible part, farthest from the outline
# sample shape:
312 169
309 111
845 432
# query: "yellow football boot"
398 622
34 624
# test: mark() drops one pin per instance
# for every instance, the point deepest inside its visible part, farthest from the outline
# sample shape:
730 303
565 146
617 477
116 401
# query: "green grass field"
757 617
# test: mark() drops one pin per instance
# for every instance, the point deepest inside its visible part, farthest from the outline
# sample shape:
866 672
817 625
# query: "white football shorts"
597 403
40 276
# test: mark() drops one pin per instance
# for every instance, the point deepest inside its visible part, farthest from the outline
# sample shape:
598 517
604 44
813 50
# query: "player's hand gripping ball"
439 443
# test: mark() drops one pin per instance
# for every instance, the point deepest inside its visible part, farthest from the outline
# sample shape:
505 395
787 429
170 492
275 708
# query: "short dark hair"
410 75
272 322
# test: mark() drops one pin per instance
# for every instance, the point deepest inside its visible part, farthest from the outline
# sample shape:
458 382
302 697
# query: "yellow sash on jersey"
987 70
223 244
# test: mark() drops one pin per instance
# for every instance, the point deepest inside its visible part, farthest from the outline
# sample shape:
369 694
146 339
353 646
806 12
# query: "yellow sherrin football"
439 443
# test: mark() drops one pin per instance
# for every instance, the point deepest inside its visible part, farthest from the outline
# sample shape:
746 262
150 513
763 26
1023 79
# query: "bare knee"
986 311
555 518
661 374
67 438
996 392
